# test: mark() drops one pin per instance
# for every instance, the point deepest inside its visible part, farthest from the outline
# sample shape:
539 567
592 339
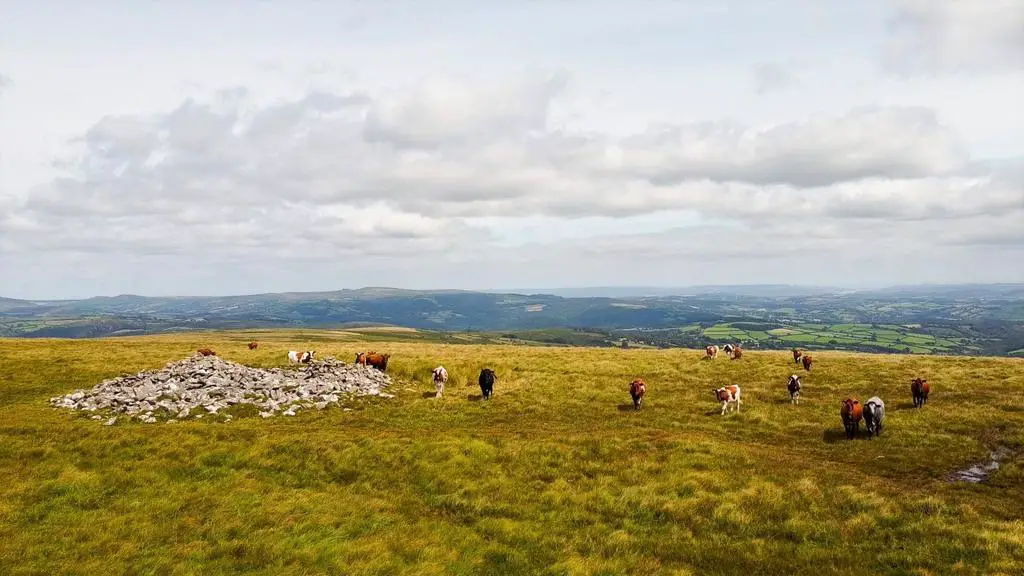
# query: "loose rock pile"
213 384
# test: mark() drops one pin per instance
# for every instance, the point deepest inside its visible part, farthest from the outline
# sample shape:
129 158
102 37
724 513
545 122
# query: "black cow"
487 382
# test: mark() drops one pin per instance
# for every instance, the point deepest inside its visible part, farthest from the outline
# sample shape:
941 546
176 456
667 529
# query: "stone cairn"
211 384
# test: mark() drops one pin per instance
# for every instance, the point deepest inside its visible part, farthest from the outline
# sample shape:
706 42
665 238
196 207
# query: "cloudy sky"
225 147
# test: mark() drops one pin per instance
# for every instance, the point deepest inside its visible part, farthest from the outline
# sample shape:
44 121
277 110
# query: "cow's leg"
725 405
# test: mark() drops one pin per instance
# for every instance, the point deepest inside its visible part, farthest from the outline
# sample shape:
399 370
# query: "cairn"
211 384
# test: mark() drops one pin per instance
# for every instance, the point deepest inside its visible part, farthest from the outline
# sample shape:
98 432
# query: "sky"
230 147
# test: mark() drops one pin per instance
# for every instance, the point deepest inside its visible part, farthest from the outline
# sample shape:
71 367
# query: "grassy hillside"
555 475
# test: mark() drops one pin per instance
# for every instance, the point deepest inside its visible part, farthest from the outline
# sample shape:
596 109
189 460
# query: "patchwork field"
893 337
555 475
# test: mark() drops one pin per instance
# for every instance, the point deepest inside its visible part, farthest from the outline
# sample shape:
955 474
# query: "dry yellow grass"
555 475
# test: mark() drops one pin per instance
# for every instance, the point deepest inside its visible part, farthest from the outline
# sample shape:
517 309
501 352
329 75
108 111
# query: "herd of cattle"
851 410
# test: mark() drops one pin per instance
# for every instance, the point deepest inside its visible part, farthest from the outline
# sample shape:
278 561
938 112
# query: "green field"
883 336
555 475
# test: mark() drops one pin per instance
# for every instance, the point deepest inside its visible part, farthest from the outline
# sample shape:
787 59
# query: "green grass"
555 475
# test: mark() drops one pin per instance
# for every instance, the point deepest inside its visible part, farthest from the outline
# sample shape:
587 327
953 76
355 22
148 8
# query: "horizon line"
551 290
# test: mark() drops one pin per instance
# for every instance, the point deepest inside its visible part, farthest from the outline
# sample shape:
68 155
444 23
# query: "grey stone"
213 383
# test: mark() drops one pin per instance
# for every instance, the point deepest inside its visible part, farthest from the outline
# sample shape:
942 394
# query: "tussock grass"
555 475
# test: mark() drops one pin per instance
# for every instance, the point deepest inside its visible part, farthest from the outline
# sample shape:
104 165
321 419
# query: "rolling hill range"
964 319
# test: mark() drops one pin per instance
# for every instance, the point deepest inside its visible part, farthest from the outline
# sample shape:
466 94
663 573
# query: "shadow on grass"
833 435
904 406
475 397
626 408
428 395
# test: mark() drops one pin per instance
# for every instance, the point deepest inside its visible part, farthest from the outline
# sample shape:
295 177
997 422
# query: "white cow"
440 379
296 357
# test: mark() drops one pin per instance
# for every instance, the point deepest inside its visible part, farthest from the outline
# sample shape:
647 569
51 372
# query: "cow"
806 359
919 389
851 412
303 357
874 415
727 394
440 376
797 353
206 352
727 349
637 390
737 352
794 389
378 361
712 352
486 381
253 345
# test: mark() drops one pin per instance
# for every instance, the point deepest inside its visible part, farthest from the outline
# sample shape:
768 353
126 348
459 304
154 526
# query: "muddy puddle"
981 471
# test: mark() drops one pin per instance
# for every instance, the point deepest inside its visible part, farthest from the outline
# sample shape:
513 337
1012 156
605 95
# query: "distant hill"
768 290
968 318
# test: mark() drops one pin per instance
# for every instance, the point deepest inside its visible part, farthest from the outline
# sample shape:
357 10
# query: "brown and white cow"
794 389
797 353
727 394
206 352
712 352
253 345
806 359
440 376
303 357
737 352
851 413
919 389
637 391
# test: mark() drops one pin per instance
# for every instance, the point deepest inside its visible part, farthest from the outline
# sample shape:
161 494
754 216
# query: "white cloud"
964 36
326 173
773 77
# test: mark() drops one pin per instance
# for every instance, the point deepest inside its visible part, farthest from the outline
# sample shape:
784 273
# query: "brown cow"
712 352
378 361
797 353
637 390
806 359
253 345
919 389
851 412
206 352
736 353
